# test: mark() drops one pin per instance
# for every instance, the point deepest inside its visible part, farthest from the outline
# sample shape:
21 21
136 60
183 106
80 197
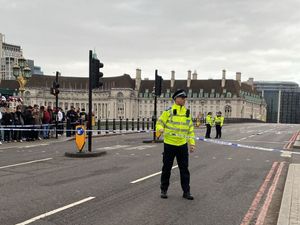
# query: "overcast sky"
259 38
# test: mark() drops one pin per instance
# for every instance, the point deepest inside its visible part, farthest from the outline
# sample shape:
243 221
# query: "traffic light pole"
56 106
90 104
155 111
155 117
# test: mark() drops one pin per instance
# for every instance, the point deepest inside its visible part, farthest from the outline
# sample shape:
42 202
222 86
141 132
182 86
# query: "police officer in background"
209 123
219 120
177 125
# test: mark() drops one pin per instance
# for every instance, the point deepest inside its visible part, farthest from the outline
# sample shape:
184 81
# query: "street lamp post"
22 73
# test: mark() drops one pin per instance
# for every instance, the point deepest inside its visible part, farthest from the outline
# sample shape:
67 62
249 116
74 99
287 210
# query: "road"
231 185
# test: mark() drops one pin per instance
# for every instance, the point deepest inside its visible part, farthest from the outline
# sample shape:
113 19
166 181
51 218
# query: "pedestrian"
72 116
209 124
18 121
46 122
37 121
177 125
83 117
7 120
29 123
219 120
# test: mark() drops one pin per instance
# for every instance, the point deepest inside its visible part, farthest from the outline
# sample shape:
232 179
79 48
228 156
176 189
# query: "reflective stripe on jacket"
219 120
176 126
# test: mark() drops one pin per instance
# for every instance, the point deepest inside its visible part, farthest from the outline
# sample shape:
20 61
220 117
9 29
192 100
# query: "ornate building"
126 97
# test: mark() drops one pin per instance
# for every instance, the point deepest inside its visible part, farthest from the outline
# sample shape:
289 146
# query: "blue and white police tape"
219 142
236 145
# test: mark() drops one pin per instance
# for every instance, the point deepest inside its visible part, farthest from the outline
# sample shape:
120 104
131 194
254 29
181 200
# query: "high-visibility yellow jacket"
177 126
209 120
219 120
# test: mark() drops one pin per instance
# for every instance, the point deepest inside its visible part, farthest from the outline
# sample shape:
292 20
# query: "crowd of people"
20 123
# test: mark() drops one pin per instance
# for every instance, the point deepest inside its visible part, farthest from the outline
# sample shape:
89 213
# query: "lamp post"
22 73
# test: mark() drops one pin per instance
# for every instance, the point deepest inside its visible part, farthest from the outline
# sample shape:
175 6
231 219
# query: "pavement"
289 213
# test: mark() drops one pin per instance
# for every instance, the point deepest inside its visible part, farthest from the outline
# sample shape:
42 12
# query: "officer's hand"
192 148
161 131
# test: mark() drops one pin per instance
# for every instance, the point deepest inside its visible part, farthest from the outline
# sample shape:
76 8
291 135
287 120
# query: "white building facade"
9 55
124 97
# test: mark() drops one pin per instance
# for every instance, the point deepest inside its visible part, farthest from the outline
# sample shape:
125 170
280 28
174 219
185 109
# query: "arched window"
228 110
120 95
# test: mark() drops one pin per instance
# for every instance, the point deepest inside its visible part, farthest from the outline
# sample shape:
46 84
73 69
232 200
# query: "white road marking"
241 139
24 163
113 147
140 147
152 175
31 146
55 211
286 154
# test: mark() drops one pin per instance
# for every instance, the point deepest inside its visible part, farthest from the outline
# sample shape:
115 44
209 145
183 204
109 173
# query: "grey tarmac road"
40 186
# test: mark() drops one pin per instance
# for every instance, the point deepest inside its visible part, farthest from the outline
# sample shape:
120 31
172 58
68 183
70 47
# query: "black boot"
188 196
163 194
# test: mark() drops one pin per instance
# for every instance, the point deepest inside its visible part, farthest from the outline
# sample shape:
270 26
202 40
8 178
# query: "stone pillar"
238 77
223 78
189 78
172 78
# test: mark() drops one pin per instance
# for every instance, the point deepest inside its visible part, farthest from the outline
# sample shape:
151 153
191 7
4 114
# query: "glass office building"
283 101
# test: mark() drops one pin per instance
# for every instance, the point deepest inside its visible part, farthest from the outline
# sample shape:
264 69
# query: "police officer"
209 123
177 125
219 120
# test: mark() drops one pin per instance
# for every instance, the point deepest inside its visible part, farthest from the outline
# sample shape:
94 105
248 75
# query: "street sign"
80 137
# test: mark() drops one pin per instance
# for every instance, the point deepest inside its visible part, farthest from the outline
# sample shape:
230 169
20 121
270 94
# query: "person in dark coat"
18 121
7 120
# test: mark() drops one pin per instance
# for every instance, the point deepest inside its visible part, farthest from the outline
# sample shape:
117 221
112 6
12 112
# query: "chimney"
250 82
172 78
238 77
223 78
189 78
195 75
138 78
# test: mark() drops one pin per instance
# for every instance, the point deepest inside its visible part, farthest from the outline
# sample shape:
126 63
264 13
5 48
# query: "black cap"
179 93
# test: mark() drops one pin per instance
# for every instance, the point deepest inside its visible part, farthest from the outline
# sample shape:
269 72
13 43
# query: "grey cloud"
253 37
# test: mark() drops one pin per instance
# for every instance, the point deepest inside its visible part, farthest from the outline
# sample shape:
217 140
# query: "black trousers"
218 131
208 130
182 156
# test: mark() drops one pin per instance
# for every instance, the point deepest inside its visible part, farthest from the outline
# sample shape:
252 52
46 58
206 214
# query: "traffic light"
96 74
158 85
54 90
